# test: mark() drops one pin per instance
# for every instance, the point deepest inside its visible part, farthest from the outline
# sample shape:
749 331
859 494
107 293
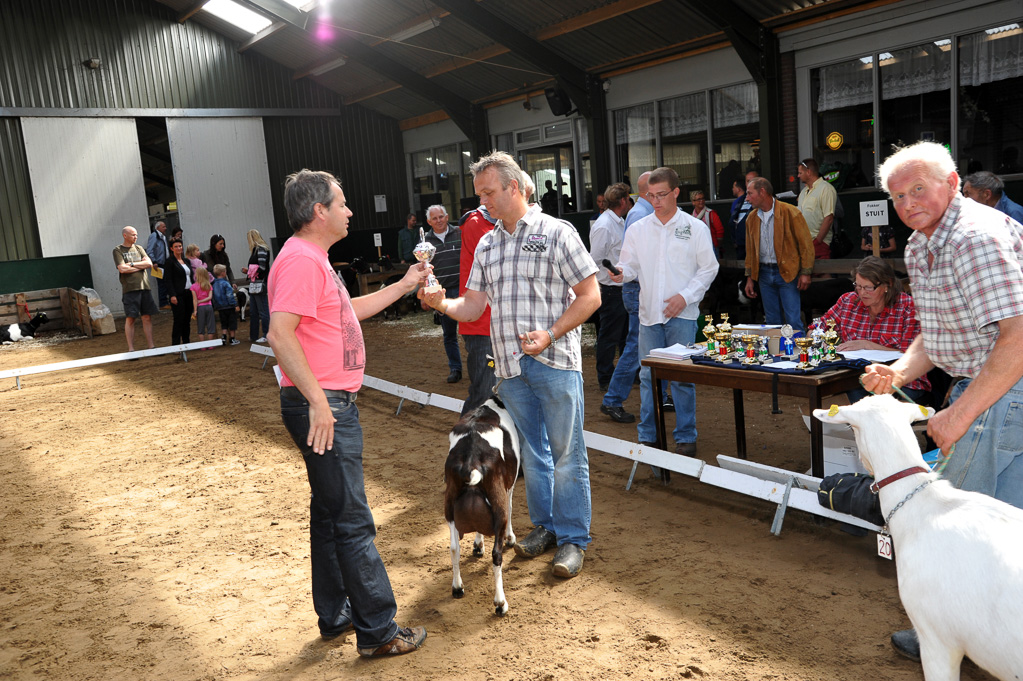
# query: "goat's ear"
832 415
916 412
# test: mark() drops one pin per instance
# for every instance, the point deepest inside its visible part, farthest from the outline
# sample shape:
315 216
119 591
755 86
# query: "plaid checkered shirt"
528 278
894 327
974 280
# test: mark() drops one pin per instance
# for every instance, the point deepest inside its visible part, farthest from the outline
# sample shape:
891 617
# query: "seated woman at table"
877 315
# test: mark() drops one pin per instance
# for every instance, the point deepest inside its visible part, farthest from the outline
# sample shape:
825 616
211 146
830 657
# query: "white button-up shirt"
677 257
606 237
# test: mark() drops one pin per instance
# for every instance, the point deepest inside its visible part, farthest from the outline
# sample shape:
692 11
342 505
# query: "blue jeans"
450 328
661 336
620 387
989 458
548 403
780 298
614 322
259 314
481 372
349 579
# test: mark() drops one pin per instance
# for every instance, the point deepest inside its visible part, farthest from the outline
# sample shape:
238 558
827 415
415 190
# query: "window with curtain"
684 140
736 134
916 103
449 178
991 100
635 145
422 177
843 127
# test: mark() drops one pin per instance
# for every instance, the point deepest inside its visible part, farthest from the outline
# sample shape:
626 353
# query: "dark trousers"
450 328
481 373
163 293
182 313
259 314
614 328
349 578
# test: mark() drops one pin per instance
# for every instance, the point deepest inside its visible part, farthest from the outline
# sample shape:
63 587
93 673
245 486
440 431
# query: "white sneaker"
262 339
235 341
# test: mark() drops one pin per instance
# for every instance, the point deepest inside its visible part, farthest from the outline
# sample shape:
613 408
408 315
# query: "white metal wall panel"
87 185
222 182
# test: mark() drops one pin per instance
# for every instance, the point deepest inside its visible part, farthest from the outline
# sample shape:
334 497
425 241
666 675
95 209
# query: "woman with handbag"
257 270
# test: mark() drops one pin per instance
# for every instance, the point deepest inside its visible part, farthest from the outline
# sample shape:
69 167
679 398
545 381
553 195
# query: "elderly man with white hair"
965 263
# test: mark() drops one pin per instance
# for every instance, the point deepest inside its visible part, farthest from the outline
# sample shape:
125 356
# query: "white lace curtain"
923 68
683 115
736 105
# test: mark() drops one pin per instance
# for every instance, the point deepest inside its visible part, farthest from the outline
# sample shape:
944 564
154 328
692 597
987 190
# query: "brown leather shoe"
406 640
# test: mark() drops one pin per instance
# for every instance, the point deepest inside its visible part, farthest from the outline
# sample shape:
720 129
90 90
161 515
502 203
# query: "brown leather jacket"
793 244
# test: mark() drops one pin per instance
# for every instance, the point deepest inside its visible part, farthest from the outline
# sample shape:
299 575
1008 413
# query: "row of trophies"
749 349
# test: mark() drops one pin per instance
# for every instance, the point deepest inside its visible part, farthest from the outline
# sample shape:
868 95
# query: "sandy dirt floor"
154 525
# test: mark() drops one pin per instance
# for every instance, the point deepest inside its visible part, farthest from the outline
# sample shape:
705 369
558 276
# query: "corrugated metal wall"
19 238
151 61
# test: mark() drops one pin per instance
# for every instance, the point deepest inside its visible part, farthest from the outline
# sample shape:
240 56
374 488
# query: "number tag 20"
884 546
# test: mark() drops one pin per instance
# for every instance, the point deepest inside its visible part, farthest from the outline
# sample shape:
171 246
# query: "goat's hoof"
457 593
501 610
477 550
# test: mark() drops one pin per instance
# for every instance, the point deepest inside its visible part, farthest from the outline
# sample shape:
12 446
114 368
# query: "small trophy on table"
424 252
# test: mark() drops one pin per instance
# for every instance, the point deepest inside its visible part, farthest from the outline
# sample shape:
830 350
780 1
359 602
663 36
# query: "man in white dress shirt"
672 256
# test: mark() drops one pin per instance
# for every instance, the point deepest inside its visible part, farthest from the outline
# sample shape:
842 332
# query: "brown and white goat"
958 554
480 474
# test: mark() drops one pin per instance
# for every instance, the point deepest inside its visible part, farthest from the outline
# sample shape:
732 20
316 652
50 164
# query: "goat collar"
876 486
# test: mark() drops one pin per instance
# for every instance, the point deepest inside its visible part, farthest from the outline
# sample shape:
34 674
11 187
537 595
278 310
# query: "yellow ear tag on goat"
834 410
923 409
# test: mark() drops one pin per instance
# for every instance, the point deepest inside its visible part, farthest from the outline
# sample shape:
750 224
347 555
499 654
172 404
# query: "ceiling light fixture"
411 31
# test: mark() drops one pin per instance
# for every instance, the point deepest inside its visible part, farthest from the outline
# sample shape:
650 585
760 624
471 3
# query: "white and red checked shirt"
974 280
894 327
528 278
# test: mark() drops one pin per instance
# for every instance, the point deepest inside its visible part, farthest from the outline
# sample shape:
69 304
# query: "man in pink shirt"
316 337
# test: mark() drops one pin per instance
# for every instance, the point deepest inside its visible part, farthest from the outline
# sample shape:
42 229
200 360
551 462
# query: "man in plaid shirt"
541 284
965 262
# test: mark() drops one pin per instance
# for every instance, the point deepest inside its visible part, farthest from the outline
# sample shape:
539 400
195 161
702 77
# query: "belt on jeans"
772 265
291 392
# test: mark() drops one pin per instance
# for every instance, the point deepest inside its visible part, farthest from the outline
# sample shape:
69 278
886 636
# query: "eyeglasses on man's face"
659 196
864 289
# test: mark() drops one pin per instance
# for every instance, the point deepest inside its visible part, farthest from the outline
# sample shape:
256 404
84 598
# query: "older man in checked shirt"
965 262
541 284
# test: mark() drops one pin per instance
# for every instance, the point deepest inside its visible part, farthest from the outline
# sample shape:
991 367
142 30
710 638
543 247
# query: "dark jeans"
182 312
450 328
349 578
614 327
259 314
481 374
162 290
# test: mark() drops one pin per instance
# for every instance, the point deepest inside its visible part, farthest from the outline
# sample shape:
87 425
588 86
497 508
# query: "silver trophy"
424 252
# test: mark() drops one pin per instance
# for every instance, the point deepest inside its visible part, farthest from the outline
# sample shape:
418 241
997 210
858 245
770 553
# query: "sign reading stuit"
834 141
873 213
377 240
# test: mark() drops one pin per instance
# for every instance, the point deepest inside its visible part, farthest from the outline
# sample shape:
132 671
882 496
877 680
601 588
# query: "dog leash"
944 460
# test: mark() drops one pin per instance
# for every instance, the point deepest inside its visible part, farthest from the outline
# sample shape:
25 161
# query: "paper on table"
755 327
873 355
677 351
784 365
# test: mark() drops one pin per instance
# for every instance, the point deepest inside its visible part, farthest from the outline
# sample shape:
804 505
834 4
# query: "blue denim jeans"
548 403
349 579
989 458
661 336
780 298
450 328
620 387
481 372
259 314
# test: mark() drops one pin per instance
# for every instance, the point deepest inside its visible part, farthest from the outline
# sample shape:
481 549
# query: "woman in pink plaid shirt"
877 315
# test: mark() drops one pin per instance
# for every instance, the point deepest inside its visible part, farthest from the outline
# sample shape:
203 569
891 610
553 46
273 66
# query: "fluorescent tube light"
415 30
233 13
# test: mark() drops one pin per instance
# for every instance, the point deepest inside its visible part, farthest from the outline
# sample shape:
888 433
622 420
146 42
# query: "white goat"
959 554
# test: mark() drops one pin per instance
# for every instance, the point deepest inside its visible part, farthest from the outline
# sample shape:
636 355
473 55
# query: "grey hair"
507 169
302 191
933 157
436 206
124 230
985 179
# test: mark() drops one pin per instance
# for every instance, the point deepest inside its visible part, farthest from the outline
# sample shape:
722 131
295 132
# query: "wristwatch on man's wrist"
554 341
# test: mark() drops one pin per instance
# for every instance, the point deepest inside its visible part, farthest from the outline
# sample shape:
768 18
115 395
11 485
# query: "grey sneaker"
539 541
406 640
568 561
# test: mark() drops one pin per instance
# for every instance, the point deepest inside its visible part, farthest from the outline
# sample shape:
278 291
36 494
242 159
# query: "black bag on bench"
850 493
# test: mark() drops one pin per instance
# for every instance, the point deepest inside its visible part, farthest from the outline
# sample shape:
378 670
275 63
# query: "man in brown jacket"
779 253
